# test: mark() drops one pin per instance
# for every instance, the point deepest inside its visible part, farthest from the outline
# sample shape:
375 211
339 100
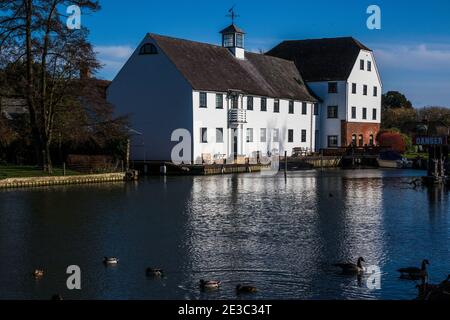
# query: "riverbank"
32 171
42 181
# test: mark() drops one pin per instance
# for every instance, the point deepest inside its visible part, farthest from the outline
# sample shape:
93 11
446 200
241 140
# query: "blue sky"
412 48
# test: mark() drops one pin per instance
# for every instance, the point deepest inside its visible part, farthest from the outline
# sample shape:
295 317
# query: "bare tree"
35 32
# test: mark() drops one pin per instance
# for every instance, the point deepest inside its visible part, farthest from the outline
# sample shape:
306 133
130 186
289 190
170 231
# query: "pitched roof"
232 29
329 59
213 68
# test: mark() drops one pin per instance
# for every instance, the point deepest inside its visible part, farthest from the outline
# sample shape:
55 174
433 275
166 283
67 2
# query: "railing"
237 116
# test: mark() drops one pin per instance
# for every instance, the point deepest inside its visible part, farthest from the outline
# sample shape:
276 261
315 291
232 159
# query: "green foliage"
395 100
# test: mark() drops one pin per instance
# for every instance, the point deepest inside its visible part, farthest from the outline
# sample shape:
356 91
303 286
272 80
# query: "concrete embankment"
65 180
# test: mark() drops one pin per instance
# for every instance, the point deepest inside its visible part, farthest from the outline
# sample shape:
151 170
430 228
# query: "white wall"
358 100
330 127
212 118
158 99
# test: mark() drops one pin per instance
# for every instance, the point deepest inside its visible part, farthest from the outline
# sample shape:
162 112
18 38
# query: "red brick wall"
358 128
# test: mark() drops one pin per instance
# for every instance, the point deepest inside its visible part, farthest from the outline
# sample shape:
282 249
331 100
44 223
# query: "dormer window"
148 48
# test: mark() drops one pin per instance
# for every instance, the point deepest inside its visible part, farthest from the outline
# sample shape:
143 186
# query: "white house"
310 94
235 104
344 74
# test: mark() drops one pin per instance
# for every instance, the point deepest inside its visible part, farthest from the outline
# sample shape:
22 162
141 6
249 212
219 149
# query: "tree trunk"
46 157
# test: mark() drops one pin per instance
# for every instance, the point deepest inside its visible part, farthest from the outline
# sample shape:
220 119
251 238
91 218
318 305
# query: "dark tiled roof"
213 68
321 59
232 29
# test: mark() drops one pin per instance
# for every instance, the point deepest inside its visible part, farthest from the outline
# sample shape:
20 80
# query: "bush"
394 140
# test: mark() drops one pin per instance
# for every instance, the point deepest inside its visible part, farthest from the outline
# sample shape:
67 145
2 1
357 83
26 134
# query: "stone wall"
65 180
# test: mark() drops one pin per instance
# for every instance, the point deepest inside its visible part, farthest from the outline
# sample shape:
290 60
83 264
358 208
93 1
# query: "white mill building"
234 103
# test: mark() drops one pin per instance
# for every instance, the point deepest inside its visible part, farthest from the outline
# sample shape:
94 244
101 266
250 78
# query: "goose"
110 260
245 289
351 268
413 273
445 285
38 274
157 273
209 285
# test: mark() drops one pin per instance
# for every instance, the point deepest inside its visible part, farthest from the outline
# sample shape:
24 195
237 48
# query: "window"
375 91
304 108
364 115
371 140
374 114
354 140
361 64
290 135
353 112
369 65
354 88
219 101
361 140
316 109
332 141
203 100
332 87
276 135
303 135
291 107
148 48
203 135
263 135
264 104
332 112
276 106
249 135
365 90
234 102
219 135
249 103
239 40
228 40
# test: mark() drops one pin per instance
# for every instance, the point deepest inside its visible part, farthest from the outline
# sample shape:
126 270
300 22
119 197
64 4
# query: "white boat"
394 164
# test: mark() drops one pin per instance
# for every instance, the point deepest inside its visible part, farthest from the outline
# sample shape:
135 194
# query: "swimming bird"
413 273
57 297
209 285
157 273
245 289
331 195
445 285
38 274
110 260
351 268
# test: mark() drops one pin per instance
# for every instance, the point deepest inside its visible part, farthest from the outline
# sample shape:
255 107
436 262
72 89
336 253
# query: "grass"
414 155
30 171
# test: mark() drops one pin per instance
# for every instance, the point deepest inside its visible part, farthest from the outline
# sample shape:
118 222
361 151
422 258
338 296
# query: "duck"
414 273
157 273
38 274
351 268
209 285
110 260
245 289
57 297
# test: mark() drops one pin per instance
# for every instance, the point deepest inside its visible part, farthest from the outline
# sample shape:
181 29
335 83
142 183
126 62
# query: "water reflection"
281 235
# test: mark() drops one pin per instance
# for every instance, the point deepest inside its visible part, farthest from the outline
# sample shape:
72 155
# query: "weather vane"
232 14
